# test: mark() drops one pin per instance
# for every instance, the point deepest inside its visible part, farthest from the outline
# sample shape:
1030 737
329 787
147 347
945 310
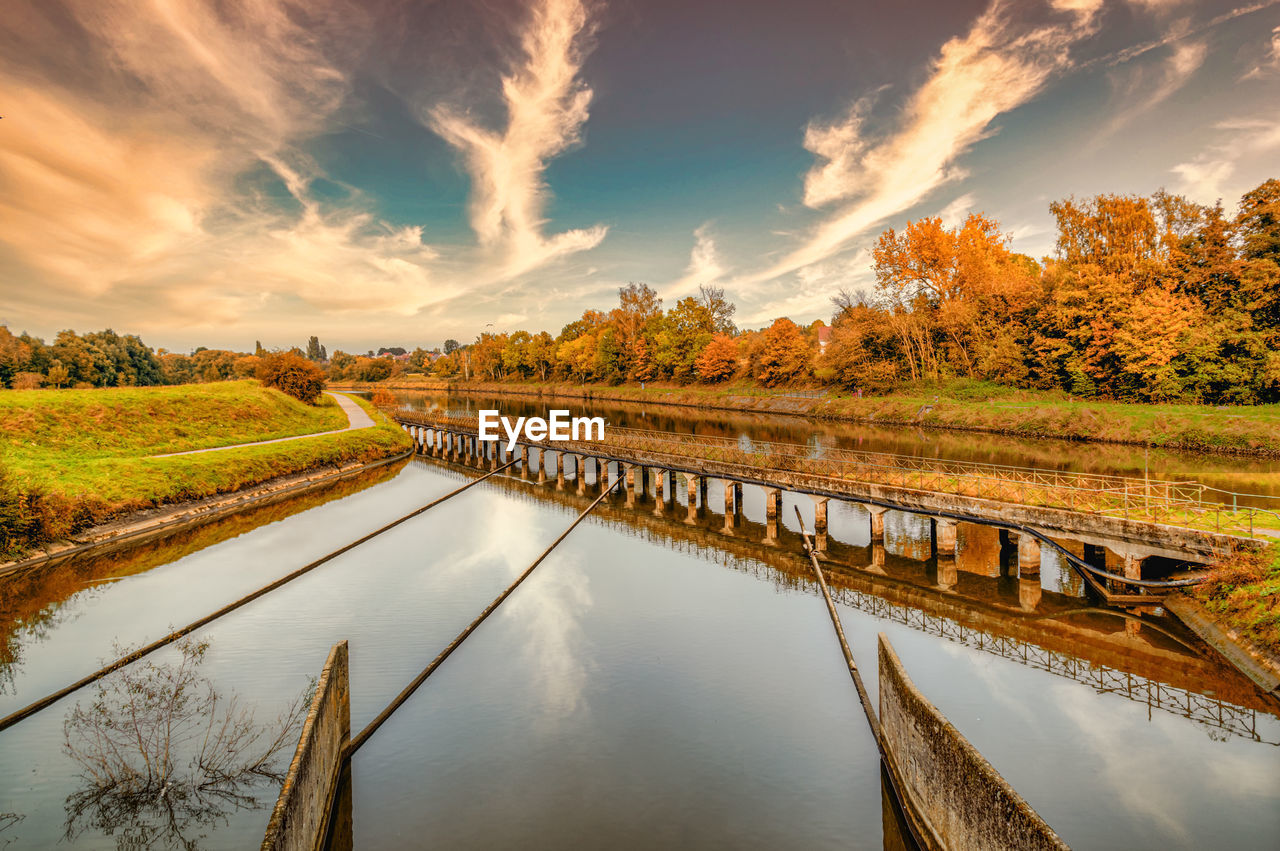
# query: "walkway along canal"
636 692
1136 520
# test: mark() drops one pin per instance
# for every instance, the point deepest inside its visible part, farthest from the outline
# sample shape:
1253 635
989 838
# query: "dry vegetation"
1243 593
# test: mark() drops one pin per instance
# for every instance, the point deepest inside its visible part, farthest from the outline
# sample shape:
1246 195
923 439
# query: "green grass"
1243 593
132 421
72 459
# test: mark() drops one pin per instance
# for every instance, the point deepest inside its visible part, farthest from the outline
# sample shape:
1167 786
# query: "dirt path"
356 419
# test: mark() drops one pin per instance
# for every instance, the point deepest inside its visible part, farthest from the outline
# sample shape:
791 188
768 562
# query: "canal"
1258 479
654 683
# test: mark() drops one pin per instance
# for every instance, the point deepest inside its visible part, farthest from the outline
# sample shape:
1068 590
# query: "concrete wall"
301 814
953 795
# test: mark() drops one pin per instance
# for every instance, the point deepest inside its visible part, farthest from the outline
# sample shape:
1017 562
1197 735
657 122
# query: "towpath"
356 419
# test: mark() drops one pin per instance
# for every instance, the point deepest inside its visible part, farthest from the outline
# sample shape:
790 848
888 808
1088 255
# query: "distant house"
404 358
824 337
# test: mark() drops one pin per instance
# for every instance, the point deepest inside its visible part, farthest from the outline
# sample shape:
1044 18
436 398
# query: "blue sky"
383 173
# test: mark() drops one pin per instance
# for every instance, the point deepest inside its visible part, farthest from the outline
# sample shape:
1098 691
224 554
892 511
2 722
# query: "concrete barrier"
301 814
952 795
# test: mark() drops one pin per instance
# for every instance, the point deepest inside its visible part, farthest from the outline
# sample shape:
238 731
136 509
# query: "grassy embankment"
968 405
71 459
1243 593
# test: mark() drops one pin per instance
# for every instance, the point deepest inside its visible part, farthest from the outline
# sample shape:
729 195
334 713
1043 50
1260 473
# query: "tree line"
1146 298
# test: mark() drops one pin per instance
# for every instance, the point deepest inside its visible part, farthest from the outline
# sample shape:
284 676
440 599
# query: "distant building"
824 337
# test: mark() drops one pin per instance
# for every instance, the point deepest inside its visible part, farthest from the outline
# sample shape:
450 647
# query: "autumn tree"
14 356
718 361
783 355
291 374
638 308
720 308
683 333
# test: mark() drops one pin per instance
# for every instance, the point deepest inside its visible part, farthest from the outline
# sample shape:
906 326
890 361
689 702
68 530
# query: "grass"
967 405
1243 593
73 459
132 421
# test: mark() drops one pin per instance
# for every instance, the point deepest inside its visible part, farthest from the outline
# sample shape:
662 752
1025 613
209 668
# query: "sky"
399 172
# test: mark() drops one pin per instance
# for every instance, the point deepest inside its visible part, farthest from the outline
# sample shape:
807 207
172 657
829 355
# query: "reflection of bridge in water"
1159 664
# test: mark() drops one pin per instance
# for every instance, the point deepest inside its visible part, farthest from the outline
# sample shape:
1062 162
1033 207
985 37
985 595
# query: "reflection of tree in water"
163 756
8 820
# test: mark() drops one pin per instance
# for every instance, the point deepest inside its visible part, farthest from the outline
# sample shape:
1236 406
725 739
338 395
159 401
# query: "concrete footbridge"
1129 530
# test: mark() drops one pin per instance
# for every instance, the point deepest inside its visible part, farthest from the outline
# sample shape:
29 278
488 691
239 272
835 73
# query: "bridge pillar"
944 537
948 573
542 466
1133 566
772 508
580 474
629 471
1028 556
877 521
1029 593
695 483
732 505
661 490
820 525
493 459
877 557
560 471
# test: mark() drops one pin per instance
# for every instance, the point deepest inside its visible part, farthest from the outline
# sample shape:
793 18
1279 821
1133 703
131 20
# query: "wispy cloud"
998 65
125 180
954 213
1270 63
705 266
547 106
1205 178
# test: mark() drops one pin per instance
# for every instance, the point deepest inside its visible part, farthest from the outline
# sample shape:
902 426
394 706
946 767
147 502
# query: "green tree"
683 333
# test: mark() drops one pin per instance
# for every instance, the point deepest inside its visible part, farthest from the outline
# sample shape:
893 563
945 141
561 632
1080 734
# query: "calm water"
654 683
1241 474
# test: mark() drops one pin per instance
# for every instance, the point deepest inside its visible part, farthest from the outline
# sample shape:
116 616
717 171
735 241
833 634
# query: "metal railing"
1187 504
1213 713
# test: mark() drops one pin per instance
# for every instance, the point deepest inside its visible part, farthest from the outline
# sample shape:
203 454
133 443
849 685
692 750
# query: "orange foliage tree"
782 354
292 374
718 361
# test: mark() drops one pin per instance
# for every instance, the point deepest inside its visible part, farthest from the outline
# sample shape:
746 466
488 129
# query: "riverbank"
1242 595
964 406
74 460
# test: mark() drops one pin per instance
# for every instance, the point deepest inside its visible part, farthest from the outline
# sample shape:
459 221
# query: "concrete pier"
944 537
1029 592
877 521
695 484
772 508
820 525
952 796
732 506
1028 556
300 818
